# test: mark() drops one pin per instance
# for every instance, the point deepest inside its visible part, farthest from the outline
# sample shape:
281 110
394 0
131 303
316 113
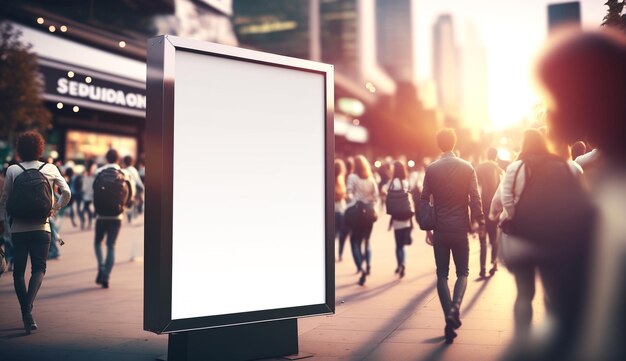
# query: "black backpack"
31 197
111 192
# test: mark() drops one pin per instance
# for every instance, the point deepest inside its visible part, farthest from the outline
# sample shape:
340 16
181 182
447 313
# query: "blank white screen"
248 200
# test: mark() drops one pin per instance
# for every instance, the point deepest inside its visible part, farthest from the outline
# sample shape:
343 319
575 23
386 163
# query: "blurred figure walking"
598 116
452 183
27 196
88 179
488 174
340 205
362 195
397 191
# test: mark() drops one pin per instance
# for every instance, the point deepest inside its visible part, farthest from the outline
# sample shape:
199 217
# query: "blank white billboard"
248 218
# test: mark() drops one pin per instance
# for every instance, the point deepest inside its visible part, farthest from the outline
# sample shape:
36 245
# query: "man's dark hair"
128 160
112 156
492 153
30 146
446 139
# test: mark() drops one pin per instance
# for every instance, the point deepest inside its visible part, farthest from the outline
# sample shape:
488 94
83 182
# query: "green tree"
21 84
614 16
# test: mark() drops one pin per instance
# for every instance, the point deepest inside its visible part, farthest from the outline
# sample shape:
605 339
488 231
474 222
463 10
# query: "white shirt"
364 190
51 172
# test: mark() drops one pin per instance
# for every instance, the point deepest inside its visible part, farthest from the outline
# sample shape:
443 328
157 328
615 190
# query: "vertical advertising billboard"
239 218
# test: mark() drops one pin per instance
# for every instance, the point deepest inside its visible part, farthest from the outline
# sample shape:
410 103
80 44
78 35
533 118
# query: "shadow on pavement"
372 292
396 320
474 299
69 293
434 339
436 353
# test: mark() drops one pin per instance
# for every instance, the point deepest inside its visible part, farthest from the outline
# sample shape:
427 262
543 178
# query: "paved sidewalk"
387 319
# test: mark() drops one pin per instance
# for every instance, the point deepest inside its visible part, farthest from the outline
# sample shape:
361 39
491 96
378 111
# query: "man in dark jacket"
452 184
489 175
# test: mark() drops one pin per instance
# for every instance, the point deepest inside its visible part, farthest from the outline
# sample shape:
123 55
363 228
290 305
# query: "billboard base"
235 343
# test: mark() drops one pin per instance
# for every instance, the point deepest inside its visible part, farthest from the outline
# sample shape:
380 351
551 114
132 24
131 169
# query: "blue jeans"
403 237
359 237
458 245
110 228
341 231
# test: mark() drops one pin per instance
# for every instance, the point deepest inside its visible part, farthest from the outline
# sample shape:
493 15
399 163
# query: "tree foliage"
614 16
21 84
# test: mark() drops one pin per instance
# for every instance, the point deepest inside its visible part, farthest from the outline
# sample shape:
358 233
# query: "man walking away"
113 190
452 183
489 175
27 197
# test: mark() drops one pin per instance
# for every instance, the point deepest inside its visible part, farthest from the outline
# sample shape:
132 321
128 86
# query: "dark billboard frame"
160 87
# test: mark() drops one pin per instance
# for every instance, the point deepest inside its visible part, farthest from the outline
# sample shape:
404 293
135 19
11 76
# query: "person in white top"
31 237
88 179
133 173
362 187
402 228
589 105
503 206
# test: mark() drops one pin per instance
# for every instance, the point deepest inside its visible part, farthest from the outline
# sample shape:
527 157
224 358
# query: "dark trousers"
492 233
523 308
456 244
109 228
36 244
360 242
341 231
402 237
87 209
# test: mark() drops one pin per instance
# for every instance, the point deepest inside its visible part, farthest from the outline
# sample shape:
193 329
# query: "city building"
446 65
474 82
338 32
395 31
92 60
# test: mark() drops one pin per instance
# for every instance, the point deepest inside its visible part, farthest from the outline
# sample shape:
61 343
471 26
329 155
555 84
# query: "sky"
513 32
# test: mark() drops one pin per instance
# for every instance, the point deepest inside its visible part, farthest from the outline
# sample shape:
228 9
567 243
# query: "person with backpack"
400 209
27 196
452 184
113 191
360 215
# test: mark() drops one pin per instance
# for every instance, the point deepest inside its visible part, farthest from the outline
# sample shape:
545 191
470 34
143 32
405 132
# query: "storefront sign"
92 89
100 94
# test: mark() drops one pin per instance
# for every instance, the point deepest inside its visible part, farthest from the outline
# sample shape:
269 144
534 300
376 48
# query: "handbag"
360 215
426 216
514 251
399 203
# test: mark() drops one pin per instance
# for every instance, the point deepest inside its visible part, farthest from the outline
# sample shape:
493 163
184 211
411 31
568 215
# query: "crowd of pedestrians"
38 194
555 211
